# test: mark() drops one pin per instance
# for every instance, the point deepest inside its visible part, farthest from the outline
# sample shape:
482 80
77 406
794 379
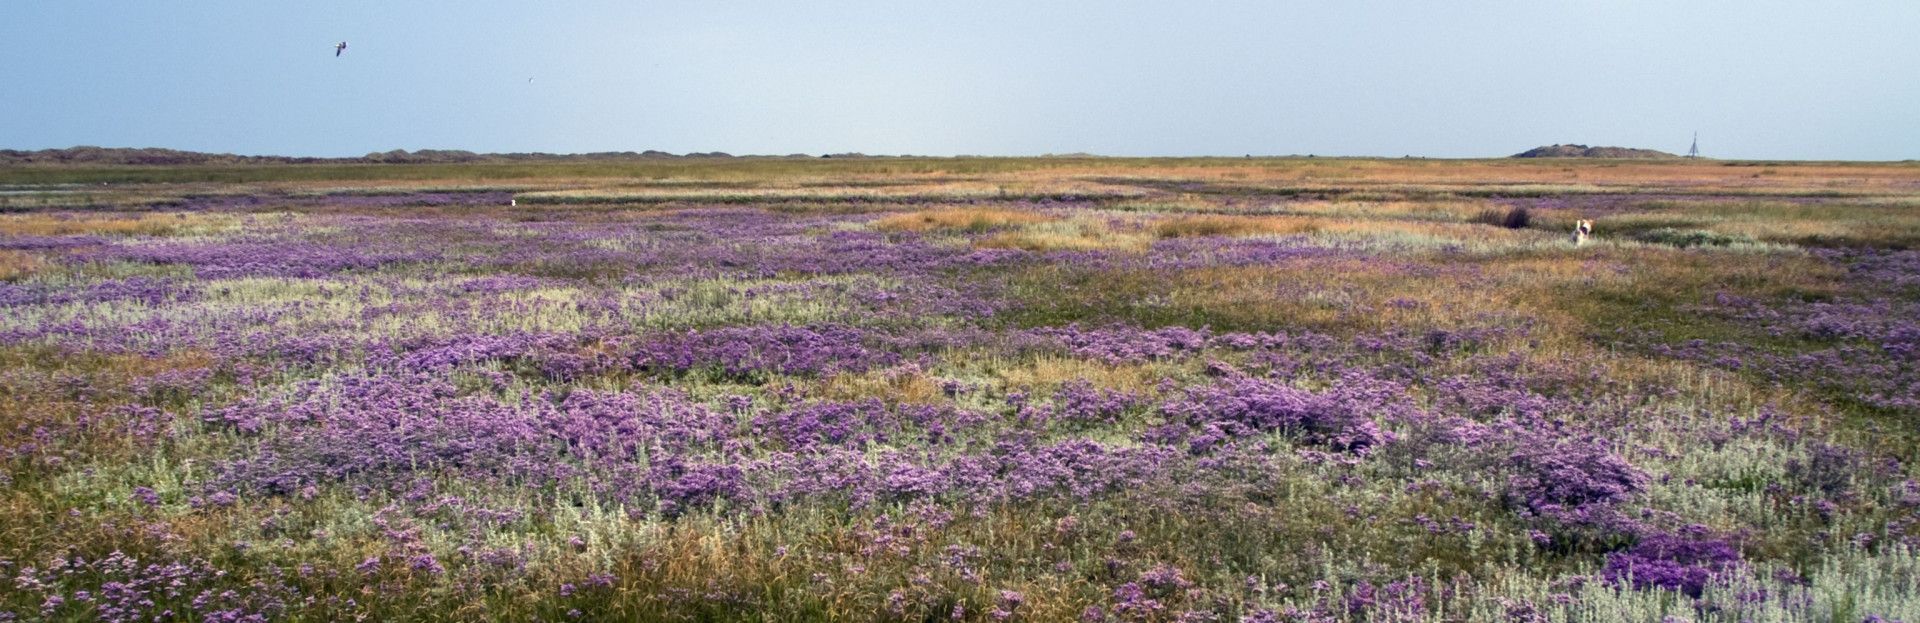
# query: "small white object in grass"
513 202
1581 230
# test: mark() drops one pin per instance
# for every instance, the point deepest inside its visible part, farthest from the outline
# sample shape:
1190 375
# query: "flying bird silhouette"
338 48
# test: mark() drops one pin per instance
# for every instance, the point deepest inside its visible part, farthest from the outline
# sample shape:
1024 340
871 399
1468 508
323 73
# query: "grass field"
1089 389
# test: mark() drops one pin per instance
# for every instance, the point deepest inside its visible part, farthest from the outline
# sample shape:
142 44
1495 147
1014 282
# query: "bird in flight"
339 47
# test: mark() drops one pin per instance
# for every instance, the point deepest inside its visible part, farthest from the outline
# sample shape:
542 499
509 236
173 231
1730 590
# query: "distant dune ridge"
90 155
159 156
1583 151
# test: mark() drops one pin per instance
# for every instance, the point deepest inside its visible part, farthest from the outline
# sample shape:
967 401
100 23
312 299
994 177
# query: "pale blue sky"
1756 78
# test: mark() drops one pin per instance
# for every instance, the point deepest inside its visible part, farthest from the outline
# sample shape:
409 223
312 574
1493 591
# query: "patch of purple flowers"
1549 471
751 352
1340 418
1687 561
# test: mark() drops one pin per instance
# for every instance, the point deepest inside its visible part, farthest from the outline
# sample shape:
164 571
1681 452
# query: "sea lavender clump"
124 588
1687 561
1238 407
1082 402
1119 344
754 351
276 259
1552 473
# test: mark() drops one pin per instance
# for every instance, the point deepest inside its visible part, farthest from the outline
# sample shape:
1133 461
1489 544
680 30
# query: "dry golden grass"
1070 235
1727 390
1844 223
958 220
108 373
1348 227
1338 296
104 224
1225 225
1182 203
1425 236
1041 242
1566 292
28 402
896 188
990 176
894 385
17 264
1440 211
683 557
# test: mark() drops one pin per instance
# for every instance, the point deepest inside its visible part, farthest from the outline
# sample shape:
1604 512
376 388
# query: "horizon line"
720 154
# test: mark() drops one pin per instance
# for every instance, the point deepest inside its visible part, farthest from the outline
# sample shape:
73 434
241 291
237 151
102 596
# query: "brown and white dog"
1581 230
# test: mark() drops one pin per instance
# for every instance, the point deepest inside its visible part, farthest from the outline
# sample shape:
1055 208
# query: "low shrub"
1515 218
